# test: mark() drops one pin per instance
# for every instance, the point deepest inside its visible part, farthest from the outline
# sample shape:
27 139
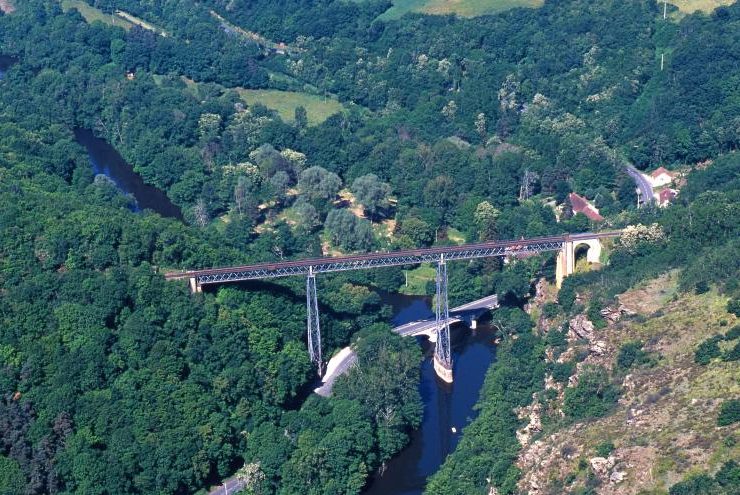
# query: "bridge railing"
379 260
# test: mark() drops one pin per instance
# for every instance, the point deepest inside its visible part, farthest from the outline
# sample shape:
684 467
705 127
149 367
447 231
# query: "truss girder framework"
320 266
313 329
442 347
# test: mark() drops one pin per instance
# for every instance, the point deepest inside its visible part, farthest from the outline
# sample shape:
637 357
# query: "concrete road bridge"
346 358
565 245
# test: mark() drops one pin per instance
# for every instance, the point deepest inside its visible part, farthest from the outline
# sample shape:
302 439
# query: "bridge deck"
377 260
346 358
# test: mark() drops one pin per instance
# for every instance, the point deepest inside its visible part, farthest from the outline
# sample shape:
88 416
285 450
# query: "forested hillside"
446 130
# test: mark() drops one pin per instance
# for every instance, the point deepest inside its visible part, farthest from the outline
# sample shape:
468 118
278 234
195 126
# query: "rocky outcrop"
599 348
580 327
614 314
601 465
534 413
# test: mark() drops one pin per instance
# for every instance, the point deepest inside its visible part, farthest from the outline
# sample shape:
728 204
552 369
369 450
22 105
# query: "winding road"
646 189
229 487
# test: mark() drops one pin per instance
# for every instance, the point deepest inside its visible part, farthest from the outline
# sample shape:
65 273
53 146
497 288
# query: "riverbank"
106 160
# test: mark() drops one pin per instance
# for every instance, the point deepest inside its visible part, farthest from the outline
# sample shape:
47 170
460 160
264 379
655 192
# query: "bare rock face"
534 413
617 477
599 348
540 293
581 328
601 466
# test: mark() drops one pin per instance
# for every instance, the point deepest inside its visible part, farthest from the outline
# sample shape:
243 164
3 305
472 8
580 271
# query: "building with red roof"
661 177
581 205
666 196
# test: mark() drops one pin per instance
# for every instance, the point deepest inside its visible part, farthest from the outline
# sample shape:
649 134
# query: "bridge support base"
473 324
442 371
194 285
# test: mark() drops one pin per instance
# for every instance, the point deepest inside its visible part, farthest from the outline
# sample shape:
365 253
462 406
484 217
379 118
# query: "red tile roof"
661 170
581 205
666 196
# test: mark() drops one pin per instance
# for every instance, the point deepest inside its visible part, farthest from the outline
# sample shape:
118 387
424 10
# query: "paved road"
346 358
457 314
229 487
642 183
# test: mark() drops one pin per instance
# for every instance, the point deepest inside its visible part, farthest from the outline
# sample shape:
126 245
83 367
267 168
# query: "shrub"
729 476
707 350
729 412
561 372
631 354
604 449
702 484
733 306
701 287
594 314
557 338
732 354
593 397
550 310
733 333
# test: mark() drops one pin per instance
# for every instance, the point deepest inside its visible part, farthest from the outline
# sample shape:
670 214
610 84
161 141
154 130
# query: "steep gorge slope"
664 426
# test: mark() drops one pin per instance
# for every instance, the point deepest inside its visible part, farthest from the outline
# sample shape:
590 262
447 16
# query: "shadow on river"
445 405
107 161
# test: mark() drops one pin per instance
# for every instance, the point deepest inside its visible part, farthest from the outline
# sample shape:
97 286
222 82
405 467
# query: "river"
107 161
445 406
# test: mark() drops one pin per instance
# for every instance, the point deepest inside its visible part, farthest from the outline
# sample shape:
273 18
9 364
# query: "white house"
661 177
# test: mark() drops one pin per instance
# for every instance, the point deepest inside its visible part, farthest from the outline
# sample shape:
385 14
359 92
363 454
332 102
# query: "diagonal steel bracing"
438 255
328 265
442 347
312 326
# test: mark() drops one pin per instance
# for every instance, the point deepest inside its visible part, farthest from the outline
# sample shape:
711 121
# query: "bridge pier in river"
442 349
566 245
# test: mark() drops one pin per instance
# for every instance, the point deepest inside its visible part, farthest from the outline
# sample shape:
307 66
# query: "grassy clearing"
284 103
91 14
455 236
463 8
417 280
691 6
140 22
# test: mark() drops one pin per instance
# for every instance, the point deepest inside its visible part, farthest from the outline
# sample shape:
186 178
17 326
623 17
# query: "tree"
348 231
200 213
319 183
308 217
485 219
439 193
251 476
300 117
729 412
415 232
12 481
450 110
280 183
371 193
209 127
480 125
